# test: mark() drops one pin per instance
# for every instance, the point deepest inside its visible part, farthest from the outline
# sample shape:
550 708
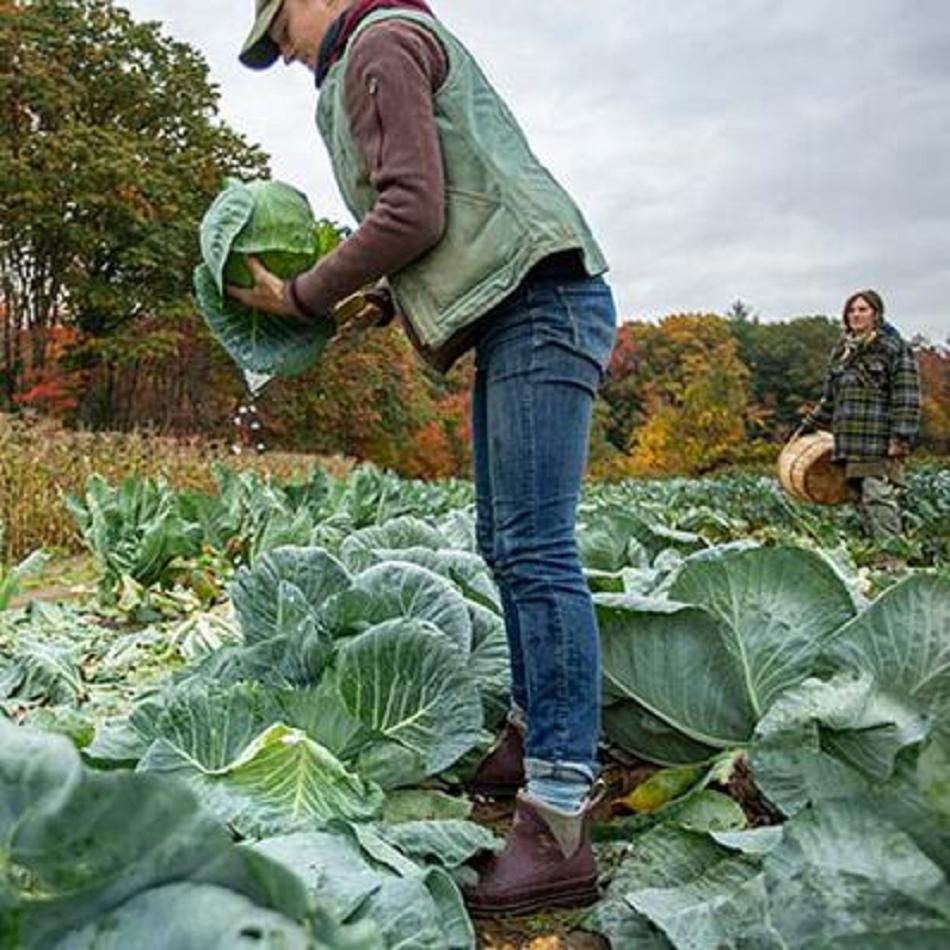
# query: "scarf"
334 43
853 343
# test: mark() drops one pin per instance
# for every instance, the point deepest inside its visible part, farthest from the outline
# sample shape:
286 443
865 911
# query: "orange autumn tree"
49 385
694 392
441 447
372 398
934 365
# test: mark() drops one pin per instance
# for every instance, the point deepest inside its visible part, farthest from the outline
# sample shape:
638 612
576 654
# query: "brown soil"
541 932
742 788
46 594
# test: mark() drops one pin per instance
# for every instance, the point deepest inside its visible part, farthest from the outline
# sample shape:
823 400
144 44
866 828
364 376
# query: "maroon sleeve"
392 73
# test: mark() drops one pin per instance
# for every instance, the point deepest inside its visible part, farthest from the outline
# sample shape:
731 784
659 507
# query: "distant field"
41 462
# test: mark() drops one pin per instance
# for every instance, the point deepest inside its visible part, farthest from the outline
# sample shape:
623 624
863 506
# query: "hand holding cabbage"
268 293
352 316
272 223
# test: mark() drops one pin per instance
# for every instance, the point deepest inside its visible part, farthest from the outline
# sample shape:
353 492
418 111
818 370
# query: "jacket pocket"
477 231
874 376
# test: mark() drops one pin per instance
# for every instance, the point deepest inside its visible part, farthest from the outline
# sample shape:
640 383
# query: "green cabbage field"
255 728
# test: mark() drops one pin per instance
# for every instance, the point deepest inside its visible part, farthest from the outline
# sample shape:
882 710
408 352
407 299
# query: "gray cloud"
782 152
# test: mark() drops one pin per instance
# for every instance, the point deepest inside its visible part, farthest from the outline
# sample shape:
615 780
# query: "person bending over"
483 250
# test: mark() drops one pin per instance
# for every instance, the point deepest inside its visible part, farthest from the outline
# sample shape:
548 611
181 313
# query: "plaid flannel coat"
871 395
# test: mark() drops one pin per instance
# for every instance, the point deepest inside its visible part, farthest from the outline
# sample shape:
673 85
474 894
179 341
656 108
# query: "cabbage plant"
274 222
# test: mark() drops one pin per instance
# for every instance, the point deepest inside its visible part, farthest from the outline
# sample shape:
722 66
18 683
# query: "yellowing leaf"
661 788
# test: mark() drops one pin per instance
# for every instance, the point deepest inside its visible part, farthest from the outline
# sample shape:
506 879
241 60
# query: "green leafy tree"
788 361
111 149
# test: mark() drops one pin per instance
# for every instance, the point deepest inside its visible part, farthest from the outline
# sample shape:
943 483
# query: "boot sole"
580 896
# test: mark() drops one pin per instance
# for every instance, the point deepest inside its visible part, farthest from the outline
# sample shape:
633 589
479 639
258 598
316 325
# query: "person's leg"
485 536
500 774
880 507
542 366
543 359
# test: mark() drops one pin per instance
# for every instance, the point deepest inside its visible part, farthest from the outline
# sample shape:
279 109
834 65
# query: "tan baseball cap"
259 50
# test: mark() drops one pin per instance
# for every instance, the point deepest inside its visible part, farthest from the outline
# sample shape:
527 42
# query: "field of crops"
254 724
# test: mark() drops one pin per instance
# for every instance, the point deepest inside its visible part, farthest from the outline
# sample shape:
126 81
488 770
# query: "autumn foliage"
935 396
677 398
48 384
682 392
373 399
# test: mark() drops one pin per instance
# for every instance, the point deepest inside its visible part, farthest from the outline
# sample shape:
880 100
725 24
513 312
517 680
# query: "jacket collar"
343 27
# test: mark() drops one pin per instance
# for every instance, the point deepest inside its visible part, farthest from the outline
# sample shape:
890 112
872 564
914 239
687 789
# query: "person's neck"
351 13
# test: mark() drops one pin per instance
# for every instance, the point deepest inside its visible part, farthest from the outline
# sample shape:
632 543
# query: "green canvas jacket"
504 211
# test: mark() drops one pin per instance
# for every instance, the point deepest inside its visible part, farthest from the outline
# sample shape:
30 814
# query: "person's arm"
392 74
822 414
905 401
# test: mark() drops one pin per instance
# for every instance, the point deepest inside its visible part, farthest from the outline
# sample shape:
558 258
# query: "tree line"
111 149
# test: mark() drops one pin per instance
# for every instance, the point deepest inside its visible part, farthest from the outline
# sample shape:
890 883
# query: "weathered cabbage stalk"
274 222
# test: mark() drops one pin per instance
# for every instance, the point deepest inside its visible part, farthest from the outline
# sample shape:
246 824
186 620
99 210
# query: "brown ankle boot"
547 861
501 773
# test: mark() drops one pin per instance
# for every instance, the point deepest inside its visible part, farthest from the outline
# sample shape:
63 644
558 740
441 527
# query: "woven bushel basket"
807 473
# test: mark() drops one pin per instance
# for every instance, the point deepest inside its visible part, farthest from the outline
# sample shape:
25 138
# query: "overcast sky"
784 152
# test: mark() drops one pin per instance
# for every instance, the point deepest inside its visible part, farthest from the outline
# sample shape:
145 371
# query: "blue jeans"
538 366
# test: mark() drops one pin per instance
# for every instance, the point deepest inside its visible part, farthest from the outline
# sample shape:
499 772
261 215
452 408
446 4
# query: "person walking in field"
871 403
484 251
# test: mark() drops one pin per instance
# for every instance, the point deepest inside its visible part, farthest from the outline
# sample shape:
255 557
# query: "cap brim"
259 50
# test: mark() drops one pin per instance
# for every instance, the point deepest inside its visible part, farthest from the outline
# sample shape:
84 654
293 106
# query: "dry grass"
40 463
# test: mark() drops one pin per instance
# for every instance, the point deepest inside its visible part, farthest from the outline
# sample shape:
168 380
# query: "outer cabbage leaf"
832 876
903 641
364 879
79 847
780 605
42 671
835 739
407 531
410 686
189 915
448 843
229 213
758 620
286 585
211 724
662 856
628 725
398 590
424 804
489 663
281 782
671 660
261 342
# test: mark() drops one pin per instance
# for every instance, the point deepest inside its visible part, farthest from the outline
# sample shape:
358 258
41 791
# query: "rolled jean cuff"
561 771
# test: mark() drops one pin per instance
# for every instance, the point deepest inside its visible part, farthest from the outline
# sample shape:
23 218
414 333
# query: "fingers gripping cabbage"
274 222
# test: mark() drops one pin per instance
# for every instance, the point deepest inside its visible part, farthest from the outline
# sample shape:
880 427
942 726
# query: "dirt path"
47 594
64 578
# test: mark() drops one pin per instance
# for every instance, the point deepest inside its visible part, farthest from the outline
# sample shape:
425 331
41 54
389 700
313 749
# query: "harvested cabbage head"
274 222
